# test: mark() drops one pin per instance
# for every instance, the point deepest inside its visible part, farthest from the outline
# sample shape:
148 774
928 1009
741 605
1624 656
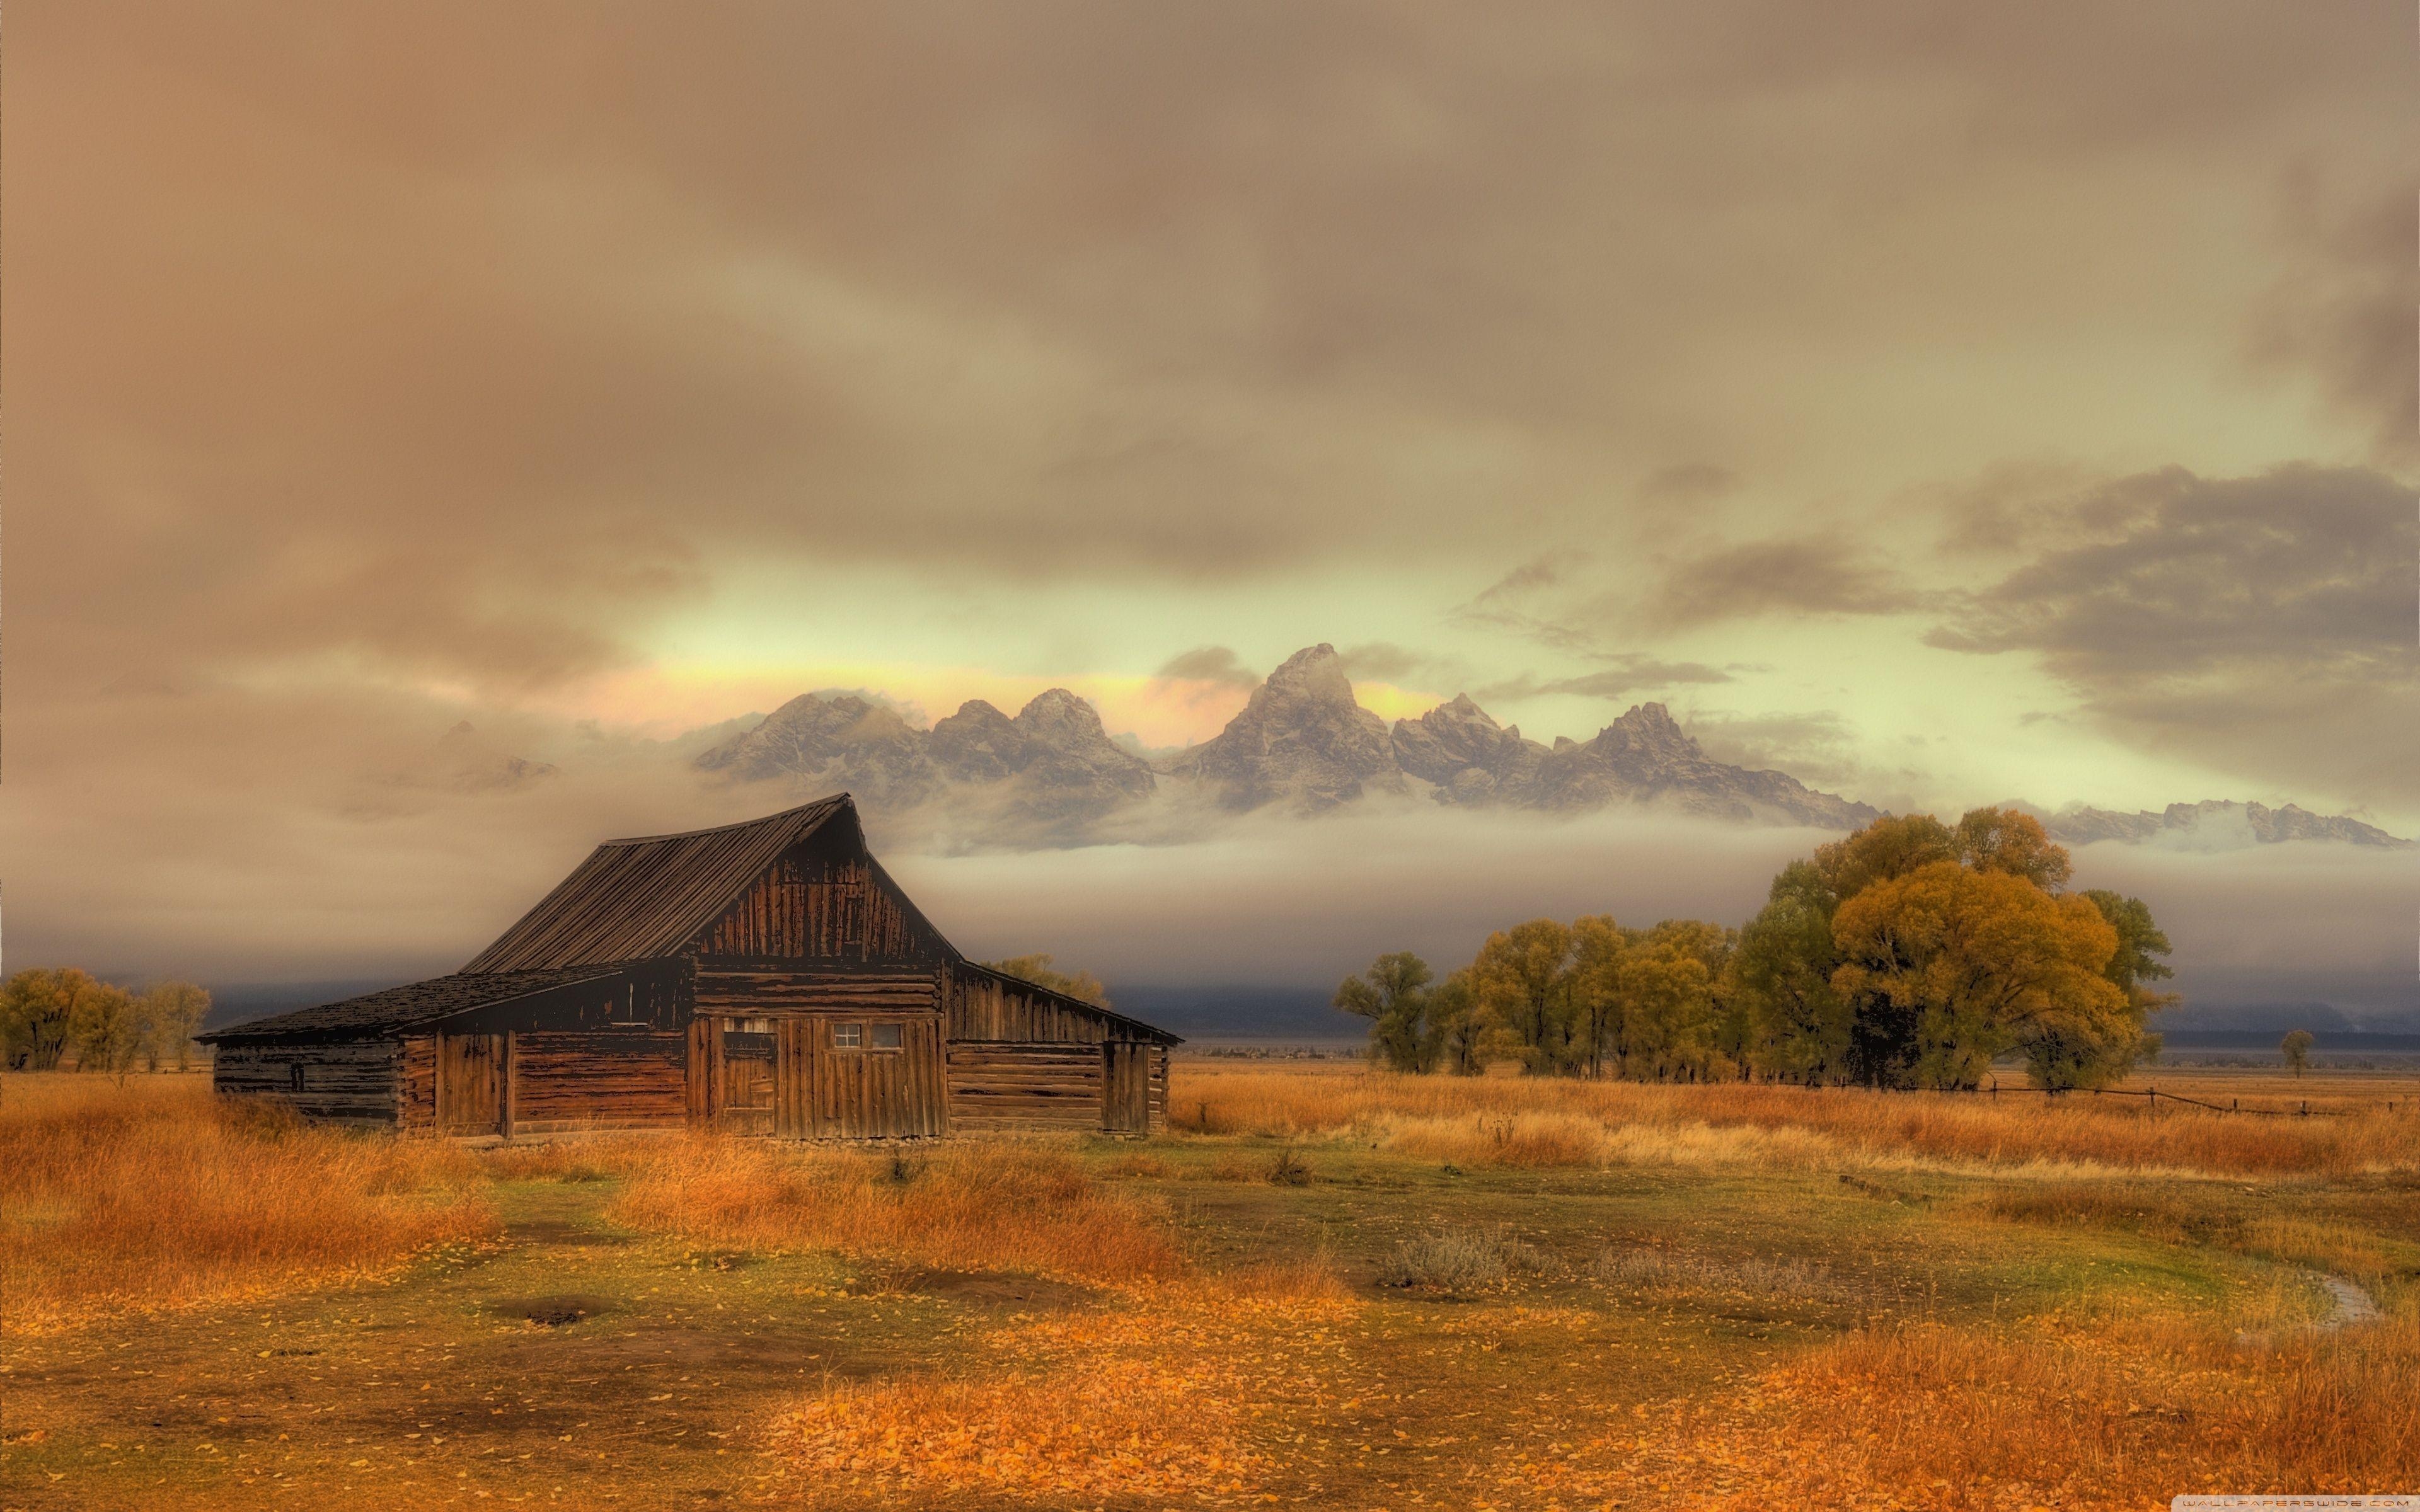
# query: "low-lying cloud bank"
1300 902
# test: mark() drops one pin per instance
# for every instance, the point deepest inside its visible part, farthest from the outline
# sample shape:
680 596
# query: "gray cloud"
467 339
1385 662
2267 622
1549 600
2310 567
1627 675
1810 574
2348 313
1210 664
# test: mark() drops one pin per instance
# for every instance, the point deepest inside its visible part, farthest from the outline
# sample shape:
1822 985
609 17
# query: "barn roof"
646 898
414 1003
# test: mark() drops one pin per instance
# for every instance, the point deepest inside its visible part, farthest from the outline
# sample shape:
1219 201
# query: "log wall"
1007 1088
744 992
632 1080
354 1081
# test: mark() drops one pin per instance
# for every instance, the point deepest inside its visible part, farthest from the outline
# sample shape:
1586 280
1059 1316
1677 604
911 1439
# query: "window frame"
849 1034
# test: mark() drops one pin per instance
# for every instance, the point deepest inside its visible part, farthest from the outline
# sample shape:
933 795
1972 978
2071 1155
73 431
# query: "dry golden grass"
1153 1401
1552 1121
155 1194
963 1205
2118 1415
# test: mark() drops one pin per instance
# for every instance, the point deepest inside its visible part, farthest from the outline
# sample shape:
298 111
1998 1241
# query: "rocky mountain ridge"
1302 740
1050 765
1304 743
2214 819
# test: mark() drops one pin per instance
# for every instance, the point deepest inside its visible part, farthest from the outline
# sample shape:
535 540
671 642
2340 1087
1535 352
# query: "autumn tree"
2013 841
1393 994
1523 989
1459 1028
1796 1026
36 1009
1599 1022
2140 944
1947 966
1669 997
106 1027
1891 846
2296 1049
2116 1050
1036 968
171 1013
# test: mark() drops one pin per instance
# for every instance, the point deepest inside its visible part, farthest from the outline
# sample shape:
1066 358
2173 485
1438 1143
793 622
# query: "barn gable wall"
824 899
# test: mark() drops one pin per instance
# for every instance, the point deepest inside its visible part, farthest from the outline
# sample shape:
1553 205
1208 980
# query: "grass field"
1324 1288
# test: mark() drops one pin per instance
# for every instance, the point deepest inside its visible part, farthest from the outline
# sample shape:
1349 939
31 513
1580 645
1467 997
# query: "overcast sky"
1942 403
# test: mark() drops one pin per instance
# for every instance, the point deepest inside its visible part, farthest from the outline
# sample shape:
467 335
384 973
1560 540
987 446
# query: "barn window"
886 1037
848 1036
294 1075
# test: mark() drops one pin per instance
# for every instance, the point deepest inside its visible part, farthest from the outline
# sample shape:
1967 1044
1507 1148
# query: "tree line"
48 1014
1910 955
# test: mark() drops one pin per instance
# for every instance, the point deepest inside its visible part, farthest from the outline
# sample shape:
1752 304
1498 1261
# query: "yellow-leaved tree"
1523 987
1948 966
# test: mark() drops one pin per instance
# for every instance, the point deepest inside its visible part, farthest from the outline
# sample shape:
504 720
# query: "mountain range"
1304 743
2213 822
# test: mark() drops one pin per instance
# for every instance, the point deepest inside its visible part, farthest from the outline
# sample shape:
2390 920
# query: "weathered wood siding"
635 1079
751 991
416 1109
470 1084
1158 1089
824 1090
825 900
981 1008
747 1080
1004 1087
1126 1090
352 1080
703 1064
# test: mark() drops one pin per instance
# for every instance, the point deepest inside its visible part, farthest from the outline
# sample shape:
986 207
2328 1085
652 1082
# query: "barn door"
1126 1088
748 1054
470 1084
851 1077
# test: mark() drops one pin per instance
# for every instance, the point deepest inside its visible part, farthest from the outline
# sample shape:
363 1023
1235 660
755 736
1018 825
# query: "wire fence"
2153 1097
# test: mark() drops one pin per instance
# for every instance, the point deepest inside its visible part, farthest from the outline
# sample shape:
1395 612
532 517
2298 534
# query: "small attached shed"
767 978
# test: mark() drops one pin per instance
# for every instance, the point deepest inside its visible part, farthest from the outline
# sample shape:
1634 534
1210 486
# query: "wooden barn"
767 978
